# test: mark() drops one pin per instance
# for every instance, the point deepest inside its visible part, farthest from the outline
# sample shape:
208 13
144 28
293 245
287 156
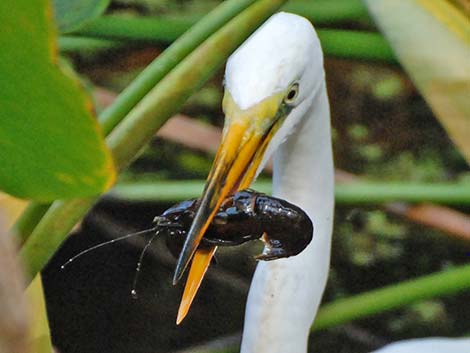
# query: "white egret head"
280 64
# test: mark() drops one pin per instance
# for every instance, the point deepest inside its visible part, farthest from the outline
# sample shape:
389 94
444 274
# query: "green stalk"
167 29
322 12
149 77
143 29
74 44
346 194
127 139
28 220
372 192
338 43
166 190
358 45
394 296
50 232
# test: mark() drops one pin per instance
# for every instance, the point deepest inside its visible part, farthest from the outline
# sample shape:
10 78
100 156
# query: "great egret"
275 103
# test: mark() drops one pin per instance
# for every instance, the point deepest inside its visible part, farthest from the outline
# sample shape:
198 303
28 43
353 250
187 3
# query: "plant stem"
358 45
391 297
74 44
143 29
28 220
167 29
141 123
354 193
50 232
372 192
321 12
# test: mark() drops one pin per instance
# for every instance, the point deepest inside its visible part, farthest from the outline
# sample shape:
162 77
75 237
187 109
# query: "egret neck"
285 294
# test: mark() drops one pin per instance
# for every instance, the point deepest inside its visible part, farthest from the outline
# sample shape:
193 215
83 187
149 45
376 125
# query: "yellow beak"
246 136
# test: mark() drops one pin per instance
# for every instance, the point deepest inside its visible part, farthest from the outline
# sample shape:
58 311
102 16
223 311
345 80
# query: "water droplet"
134 294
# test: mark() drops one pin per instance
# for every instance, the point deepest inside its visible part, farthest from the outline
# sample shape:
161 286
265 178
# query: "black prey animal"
247 215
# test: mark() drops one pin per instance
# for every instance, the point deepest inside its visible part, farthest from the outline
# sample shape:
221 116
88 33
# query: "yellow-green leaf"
432 41
50 143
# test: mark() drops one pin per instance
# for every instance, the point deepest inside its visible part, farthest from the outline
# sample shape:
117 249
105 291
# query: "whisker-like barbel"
81 253
139 265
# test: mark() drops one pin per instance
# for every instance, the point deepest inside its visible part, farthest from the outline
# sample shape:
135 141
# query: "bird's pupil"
292 94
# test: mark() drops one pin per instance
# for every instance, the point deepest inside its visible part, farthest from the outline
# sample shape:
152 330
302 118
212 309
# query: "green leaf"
432 41
70 15
51 145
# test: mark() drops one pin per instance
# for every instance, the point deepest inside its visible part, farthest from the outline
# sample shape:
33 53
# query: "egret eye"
292 94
